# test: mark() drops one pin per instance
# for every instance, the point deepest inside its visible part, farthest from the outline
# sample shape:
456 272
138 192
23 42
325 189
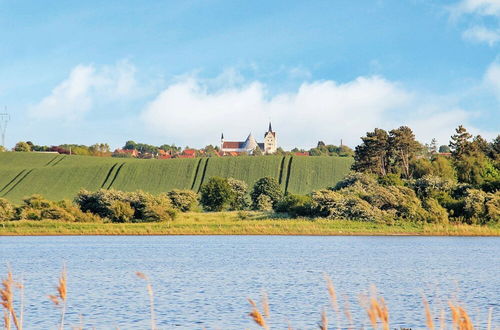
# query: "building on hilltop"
269 146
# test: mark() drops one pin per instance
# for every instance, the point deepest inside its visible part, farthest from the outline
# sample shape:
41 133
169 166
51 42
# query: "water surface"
203 281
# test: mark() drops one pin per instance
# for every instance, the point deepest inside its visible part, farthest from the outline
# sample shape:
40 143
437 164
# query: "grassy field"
232 223
59 177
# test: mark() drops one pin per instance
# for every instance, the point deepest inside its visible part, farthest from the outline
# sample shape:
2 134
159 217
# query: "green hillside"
61 176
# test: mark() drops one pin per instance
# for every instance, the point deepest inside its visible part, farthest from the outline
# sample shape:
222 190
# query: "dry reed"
428 314
60 298
7 301
151 298
257 315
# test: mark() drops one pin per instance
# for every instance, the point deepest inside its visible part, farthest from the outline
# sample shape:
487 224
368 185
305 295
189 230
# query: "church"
248 146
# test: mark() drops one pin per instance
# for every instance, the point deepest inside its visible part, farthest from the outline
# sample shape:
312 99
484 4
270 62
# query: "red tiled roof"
232 145
185 156
189 152
301 153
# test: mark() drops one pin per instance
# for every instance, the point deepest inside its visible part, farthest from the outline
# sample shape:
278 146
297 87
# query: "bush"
263 203
269 187
37 202
430 184
216 194
391 179
183 200
120 206
335 205
239 191
296 205
6 210
121 211
436 213
157 212
474 205
57 213
356 179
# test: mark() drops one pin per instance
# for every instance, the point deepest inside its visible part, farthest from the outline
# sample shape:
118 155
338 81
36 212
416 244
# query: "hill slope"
61 176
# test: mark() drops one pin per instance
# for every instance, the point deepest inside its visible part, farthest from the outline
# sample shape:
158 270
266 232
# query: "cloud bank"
86 86
189 110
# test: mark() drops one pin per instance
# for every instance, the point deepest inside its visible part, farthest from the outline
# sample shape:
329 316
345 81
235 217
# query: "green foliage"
429 184
435 212
335 205
391 179
372 155
481 207
22 147
460 144
121 211
183 200
6 210
120 206
263 203
239 191
296 205
266 186
421 167
216 194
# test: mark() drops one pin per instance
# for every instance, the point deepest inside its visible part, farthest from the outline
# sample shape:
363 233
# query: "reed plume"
59 299
460 318
428 314
151 298
377 311
7 297
257 315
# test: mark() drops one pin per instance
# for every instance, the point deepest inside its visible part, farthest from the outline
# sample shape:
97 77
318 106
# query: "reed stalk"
151 298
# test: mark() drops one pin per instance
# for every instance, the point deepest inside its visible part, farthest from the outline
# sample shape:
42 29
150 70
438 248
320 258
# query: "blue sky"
184 71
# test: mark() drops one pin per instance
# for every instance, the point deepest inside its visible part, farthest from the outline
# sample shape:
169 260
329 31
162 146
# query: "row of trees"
98 149
473 160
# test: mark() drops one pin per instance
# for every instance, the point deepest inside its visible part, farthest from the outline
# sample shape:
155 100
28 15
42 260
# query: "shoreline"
233 224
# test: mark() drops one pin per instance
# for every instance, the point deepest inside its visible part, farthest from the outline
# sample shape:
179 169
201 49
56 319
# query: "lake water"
204 281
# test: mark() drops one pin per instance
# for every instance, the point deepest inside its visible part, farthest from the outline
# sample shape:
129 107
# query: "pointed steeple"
222 136
270 128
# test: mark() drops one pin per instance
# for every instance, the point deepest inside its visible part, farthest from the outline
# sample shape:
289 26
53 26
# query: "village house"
269 146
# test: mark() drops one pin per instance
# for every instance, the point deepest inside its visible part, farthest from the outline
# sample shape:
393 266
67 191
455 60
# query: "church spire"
270 128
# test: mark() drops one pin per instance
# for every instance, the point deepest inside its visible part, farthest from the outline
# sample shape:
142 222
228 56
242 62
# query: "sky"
183 72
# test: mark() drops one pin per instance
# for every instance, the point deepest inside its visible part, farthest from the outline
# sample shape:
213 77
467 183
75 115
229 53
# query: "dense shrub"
263 203
183 200
216 194
239 191
481 207
435 212
123 207
296 205
430 184
269 187
57 213
6 210
391 179
336 205
121 211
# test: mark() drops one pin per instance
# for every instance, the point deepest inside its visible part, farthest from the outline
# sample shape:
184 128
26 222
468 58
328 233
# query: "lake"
204 281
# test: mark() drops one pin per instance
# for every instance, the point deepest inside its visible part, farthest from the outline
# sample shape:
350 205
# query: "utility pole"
4 119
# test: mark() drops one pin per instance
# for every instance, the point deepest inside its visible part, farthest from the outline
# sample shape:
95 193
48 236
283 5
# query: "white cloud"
189 112
482 34
479 7
492 78
86 86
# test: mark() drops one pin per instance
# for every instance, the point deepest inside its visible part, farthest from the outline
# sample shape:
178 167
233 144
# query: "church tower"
270 141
